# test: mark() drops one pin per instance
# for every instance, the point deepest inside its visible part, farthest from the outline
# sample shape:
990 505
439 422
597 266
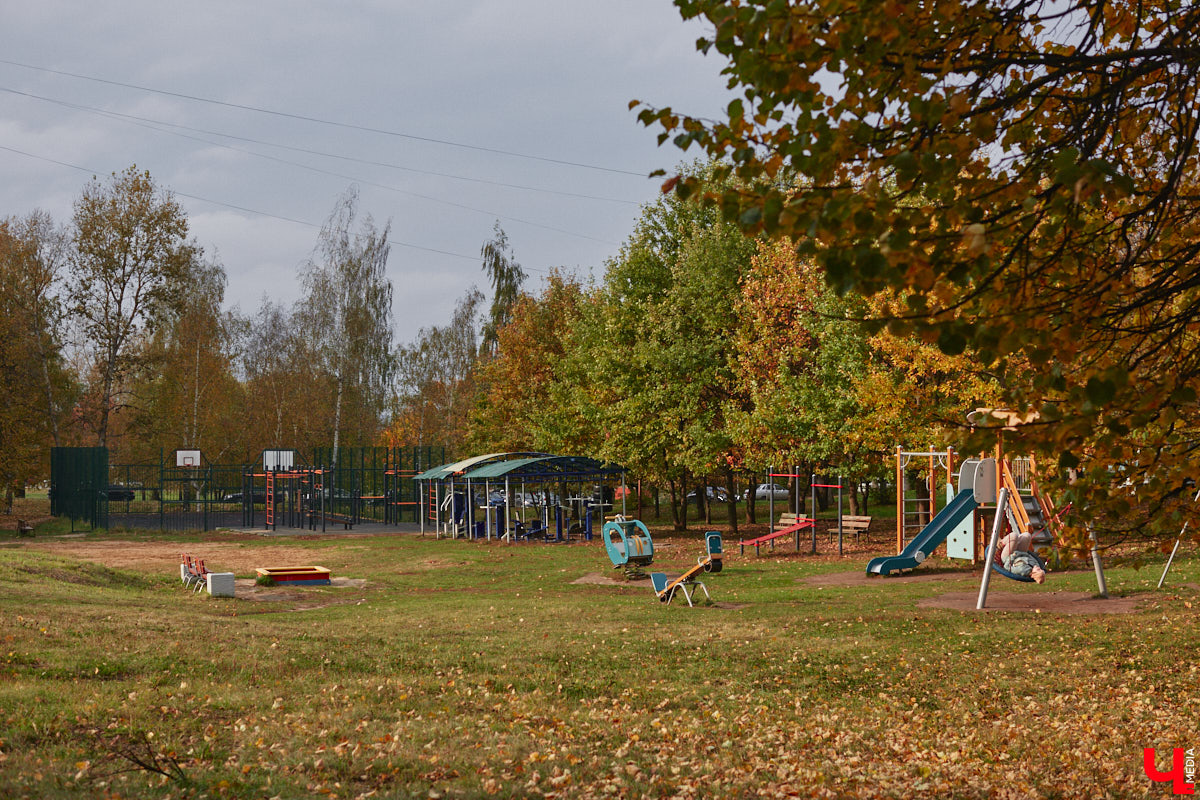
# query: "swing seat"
999 570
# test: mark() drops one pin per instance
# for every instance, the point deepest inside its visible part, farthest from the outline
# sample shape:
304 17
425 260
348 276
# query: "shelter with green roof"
556 496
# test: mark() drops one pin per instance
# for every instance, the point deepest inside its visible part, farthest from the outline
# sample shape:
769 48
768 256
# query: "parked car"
716 494
259 496
767 491
118 493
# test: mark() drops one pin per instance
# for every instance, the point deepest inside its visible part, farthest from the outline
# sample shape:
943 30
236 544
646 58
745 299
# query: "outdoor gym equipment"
796 516
633 551
687 582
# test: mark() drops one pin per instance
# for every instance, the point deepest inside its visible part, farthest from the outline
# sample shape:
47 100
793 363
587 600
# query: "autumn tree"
798 351
188 391
1024 171
513 411
130 254
435 380
287 400
34 385
37 251
346 318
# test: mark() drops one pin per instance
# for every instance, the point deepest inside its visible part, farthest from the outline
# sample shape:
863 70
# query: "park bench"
790 524
24 528
314 516
856 525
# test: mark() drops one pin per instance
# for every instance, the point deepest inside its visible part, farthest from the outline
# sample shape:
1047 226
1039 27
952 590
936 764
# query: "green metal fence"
367 484
79 484
376 482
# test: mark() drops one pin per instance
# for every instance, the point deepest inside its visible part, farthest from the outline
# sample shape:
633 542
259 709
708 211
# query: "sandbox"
296 576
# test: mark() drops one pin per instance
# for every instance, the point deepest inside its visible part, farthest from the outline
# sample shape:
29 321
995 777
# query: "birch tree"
506 277
346 317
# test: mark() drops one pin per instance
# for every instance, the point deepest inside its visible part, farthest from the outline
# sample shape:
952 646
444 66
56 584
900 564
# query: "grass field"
457 669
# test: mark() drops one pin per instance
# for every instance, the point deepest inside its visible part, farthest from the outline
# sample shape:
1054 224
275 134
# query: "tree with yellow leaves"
1024 171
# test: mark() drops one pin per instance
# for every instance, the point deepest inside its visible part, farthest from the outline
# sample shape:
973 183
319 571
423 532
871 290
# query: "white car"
767 491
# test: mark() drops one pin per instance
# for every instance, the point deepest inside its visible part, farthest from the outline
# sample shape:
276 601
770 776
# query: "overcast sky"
180 89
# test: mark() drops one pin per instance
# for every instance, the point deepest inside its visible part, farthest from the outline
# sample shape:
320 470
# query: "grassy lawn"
460 669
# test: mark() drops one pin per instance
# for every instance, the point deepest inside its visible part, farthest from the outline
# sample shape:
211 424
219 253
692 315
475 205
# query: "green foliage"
506 277
130 257
653 353
1025 173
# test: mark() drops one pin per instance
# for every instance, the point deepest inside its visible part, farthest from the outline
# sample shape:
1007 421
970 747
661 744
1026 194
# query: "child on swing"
1016 556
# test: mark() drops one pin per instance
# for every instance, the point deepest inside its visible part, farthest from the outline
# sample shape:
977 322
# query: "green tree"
346 318
656 353
131 254
506 277
1025 171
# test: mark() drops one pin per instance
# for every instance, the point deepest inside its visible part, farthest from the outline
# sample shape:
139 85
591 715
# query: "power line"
309 151
343 176
223 204
320 121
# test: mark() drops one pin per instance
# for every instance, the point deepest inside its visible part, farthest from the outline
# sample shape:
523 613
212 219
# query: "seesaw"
687 582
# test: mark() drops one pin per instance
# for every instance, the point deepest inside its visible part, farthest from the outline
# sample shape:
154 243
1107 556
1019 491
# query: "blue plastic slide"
933 534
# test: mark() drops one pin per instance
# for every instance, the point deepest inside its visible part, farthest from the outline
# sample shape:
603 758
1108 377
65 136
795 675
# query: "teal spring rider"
629 546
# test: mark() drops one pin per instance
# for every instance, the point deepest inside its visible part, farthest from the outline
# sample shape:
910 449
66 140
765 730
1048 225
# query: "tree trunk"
732 501
751 504
682 502
194 437
337 420
48 387
677 523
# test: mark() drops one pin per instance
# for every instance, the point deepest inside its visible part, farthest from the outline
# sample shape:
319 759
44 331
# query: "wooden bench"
856 525
314 516
24 528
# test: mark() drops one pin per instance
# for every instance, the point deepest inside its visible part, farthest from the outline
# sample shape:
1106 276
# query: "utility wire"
355 179
320 121
308 151
395 242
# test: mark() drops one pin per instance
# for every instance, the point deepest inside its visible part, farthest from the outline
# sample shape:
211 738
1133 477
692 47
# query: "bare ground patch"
1038 603
862 578
163 557
600 579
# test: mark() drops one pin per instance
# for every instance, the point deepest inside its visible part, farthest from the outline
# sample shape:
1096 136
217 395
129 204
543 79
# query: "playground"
469 668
